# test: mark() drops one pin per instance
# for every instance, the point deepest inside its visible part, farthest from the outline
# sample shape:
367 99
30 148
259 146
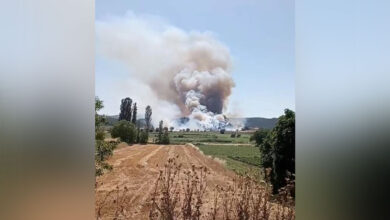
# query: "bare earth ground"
137 167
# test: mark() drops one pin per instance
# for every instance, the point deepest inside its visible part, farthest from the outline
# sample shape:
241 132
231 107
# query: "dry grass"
180 194
120 199
246 199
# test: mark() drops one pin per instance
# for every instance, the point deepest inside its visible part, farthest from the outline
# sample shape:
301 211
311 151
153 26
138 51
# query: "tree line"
129 130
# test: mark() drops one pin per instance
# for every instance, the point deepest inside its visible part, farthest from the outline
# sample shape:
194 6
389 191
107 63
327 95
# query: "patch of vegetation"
254 161
103 150
143 137
208 137
241 159
125 130
163 135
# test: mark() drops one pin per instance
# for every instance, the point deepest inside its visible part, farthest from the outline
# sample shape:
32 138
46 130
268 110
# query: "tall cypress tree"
125 111
148 117
160 132
134 119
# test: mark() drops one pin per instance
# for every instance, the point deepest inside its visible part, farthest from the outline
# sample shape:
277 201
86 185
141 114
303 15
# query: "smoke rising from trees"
189 70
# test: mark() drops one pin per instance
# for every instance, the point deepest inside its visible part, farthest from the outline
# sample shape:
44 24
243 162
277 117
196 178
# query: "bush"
233 135
125 130
143 137
165 138
103 150
99 134
259 136
222 131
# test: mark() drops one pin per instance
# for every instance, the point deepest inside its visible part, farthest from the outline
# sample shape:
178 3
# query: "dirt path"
137 167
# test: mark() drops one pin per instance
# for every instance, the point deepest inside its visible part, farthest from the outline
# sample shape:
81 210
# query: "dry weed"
120 201
180 194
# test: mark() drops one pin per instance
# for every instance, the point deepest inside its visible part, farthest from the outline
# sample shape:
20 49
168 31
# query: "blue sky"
259 34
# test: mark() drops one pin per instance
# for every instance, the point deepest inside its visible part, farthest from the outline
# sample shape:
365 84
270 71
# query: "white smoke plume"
190 70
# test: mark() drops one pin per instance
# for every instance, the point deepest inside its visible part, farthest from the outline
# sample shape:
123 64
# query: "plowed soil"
137 167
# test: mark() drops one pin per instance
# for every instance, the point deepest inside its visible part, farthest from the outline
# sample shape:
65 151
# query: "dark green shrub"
125 130
283 149
103 150
99 134
259 136
143 137
165 138
277 149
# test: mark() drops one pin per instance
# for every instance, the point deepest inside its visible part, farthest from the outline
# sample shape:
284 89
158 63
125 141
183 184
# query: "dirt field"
137 167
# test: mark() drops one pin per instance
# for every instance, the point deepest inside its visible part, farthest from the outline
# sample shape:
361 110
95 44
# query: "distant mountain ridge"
250 122
258 122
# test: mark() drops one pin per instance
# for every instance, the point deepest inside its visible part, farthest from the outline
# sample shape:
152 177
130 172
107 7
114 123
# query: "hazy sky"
259 34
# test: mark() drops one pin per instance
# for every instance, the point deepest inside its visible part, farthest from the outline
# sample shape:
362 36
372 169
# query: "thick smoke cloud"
190 70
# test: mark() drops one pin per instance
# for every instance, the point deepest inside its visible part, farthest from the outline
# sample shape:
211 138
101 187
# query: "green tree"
148 117
283 149
277 149
165 137
143 138
125 111
134 119
266 150
99 120
103 150
160 132
259 136
125 130
138 133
